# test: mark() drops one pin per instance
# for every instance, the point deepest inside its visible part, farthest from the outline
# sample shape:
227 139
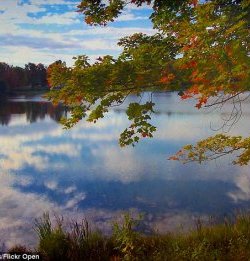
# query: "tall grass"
77 242
227 241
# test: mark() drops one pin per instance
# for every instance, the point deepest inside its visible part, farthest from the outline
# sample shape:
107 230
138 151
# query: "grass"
227 241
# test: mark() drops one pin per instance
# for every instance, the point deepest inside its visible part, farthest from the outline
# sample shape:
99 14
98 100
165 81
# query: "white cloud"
130 17
242 182
144 6
111 32
21 55
53 2
61 19
45 43
73 202
121 165
18 211
63 149
70 189
17 155
52 185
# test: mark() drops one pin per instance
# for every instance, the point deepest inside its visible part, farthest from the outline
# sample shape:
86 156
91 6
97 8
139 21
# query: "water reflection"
34 110
83 171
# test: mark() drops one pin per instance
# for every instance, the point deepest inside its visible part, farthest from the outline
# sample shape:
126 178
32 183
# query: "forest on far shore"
15 78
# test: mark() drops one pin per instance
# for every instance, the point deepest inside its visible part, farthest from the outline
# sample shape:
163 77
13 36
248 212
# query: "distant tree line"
31 77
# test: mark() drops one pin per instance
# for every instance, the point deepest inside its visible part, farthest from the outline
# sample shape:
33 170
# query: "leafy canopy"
202 49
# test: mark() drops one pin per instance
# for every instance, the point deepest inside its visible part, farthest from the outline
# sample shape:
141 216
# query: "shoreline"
229 240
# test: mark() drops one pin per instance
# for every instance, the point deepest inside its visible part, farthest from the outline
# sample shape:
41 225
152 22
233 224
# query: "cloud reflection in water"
83 171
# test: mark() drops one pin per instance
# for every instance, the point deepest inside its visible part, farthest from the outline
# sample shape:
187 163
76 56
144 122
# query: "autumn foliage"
201 50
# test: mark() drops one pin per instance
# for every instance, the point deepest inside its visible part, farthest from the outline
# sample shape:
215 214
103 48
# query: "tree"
41 75
15 77
202 49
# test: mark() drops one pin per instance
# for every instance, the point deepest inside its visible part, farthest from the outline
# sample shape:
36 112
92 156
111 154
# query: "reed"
77 241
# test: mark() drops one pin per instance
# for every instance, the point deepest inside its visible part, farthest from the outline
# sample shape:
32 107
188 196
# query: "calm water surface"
82 172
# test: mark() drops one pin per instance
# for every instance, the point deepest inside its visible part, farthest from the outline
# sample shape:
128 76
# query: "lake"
82 172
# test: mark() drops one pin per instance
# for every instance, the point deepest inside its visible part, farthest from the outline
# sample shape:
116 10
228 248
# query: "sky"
43 31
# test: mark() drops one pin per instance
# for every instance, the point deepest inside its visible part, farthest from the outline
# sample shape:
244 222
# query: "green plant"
53 241
126 238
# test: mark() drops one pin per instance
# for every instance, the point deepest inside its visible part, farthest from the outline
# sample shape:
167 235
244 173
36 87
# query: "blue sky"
48 30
